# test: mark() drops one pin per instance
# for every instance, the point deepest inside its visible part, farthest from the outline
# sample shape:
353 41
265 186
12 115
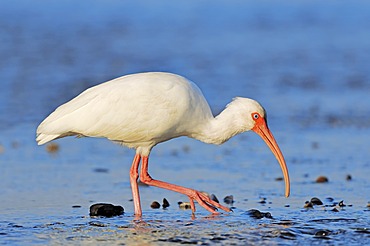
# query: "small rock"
155 205
316 201
105 209
52 148
329 199
322 179
184 205
229 199
341 204
322 234
76 206
279 179
165 203
214 198
308 204
348 177
263 200
287 205
268 215
254 213
335 210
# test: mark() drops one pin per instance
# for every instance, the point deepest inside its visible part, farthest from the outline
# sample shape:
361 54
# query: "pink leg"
134 175
202 199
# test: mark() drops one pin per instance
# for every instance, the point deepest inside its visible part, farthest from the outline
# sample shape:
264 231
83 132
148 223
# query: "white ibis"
144 109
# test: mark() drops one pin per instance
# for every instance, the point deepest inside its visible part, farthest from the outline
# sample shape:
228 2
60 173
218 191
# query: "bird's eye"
255 116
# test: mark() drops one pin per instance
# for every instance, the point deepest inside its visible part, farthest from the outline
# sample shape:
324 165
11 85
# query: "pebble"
322 179
263 200
155 205
214 198
106 210
76 206
316 201
335 210
279 179
229 199
348 177
254 213
165 203
52 148
341 204
184 205
308 204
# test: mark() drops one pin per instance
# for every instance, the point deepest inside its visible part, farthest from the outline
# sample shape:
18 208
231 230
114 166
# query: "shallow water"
304 62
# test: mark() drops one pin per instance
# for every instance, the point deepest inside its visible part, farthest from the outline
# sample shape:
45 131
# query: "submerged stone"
106 210
254 213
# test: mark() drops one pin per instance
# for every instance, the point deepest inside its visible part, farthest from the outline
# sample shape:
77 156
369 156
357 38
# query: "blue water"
307 63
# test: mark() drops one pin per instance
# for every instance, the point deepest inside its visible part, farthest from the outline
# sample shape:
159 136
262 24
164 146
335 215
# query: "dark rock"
214 198
308 204
341 204
348 177
316 201
229 199
76 206
155 205
323 234
254 213
106 210
263 200
165 203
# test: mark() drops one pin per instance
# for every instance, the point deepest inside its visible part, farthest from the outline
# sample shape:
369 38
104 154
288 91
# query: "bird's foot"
205 202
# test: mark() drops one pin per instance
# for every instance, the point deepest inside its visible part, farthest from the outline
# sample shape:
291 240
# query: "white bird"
141 110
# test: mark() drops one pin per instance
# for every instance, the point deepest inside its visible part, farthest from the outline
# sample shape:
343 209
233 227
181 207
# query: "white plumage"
142 110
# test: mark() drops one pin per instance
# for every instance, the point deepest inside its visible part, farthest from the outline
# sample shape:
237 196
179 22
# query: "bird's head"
254 118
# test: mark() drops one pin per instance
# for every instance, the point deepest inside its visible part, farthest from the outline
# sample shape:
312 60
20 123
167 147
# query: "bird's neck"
222 127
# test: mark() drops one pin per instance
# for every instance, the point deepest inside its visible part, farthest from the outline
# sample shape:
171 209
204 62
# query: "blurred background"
306 62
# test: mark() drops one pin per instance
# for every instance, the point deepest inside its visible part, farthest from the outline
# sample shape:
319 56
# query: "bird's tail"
42 138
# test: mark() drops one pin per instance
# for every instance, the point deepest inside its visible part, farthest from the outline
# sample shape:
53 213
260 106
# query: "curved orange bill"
263 131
